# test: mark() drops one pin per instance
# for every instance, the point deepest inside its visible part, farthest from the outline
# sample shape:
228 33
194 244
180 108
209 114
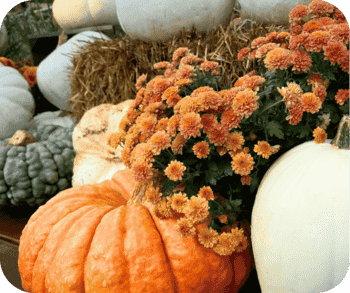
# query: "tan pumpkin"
95 160
87 240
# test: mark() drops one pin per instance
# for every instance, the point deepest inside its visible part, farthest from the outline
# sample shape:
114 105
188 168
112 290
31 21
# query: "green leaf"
254 183
212 166
274 129
304 131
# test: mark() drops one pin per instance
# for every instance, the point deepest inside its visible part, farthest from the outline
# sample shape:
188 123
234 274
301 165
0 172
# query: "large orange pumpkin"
86 239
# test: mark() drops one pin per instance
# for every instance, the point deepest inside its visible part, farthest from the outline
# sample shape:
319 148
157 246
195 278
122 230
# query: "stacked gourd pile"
110 235
36 153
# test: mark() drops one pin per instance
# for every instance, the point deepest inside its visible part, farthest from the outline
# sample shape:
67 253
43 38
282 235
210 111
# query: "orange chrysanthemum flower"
296 41
246 180
312 26
342 96
316 78
310 102
210 100
208 122
242 163
222 150
278 58
179 53
263 149
162 124
161 65
208 65
201 89
8 62
302 61
159 141
320 135
227 97
206 192
30 75
258 42
344 65
178 202
190 125
272 37
208 237
189 59
178 143
142 151
325 21
264 49
141 82
295 29
316 40
183 82
153 195
252 55
283 35
243 53
171 96
234 141
317 7
184 227
141 171
147 123
184 71
340 33
253 82
335 52
173 125
174 170
252 136
218 134
320 91
338 15
245 103
201 149
297 13
196 209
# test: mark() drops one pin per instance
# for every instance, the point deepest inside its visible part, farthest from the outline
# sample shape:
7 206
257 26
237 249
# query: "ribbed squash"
86 239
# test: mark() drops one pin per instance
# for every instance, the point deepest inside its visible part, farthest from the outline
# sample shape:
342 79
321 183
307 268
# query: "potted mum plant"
199 151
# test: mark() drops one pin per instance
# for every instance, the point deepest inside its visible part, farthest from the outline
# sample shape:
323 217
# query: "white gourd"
269 11
53 72
158 20
70 14
17 104
300 219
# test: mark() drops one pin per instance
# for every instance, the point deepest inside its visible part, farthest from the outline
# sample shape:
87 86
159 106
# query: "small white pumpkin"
95 160
53 72
17 104
269 11
70 14
159 20
300 219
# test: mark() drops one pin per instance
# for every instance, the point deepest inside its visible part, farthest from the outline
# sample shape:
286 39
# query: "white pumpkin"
269 11
159 20
53 71
3 37
17 104
300 220
95 160
70 14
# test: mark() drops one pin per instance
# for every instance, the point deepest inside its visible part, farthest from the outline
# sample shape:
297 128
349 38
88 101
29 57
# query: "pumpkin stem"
341 140
138 193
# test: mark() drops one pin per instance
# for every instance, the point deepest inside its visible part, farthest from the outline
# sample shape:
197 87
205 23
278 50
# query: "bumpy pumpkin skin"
86 239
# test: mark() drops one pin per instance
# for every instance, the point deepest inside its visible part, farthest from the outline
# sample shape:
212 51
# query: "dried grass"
106 71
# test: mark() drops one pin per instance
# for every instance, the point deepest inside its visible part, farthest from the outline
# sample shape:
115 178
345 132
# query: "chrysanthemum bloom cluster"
28 72
167 118
318 33
194 147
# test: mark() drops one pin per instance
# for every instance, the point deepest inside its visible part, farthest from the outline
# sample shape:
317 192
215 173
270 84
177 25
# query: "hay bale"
105 72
